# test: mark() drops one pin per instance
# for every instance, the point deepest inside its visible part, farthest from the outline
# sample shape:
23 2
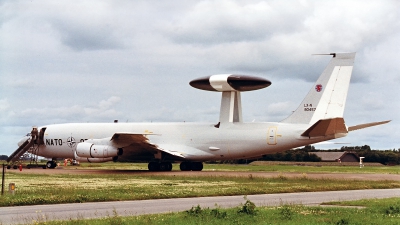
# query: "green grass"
395 202
65 188
383 211
297 167
259 166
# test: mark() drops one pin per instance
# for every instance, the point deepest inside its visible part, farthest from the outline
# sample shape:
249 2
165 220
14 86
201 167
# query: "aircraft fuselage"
232 141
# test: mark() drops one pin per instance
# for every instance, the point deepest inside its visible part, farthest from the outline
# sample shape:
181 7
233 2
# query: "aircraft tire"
165 166
169 166
185 166
51 165
197 166
153 166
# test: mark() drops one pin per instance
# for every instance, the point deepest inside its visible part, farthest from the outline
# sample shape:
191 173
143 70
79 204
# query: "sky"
97 61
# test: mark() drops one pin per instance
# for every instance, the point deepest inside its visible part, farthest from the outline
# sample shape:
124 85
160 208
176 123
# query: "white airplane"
318 118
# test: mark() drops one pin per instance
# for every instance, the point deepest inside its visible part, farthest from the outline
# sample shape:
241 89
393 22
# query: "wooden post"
2 179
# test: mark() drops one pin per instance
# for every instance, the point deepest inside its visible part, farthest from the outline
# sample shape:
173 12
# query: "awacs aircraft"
318 118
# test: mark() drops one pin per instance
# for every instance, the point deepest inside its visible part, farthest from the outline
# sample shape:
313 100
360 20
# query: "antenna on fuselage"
231 86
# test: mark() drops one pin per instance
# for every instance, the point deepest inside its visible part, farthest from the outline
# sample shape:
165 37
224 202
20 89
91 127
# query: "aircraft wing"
121 140
183 151
136 145
139 143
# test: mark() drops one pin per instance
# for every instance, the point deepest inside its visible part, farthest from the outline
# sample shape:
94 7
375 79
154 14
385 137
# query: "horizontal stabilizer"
326 127
365 125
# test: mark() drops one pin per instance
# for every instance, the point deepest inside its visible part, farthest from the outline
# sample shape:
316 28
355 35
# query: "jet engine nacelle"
90 150
95 160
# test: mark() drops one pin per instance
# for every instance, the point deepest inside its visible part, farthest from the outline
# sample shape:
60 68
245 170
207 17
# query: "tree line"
386 157
295 155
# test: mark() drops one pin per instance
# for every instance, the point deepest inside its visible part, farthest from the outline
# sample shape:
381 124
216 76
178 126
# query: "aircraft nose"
20 142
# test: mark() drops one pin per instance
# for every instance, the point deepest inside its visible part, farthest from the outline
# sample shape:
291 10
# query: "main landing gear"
167 166
160 166
194 166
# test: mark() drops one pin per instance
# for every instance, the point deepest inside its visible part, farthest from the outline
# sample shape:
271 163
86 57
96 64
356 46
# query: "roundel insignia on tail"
318 87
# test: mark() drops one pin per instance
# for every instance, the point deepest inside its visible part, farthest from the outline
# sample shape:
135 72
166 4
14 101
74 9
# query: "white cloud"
278 108
4 105
216 22
103 111
263 36
106 104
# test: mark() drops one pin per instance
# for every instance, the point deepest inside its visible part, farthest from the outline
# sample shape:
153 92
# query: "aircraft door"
40 138
271 138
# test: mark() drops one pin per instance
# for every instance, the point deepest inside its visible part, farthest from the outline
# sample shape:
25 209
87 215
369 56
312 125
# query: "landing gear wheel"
51 164
197 166
185 166
194 166
165 166
154 166
169 166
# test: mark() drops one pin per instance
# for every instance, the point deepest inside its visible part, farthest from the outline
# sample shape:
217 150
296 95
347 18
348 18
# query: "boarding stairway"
24 147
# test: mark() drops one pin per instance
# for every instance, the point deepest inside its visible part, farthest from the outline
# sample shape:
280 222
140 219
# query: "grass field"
67 188
262 166
384 211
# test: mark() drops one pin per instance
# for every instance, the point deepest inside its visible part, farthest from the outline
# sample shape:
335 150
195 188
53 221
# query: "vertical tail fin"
327 98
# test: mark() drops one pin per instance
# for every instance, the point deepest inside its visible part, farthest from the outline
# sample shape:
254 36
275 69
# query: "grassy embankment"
68 188
383 211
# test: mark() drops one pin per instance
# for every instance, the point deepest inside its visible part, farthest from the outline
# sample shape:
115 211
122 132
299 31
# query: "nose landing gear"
51 164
